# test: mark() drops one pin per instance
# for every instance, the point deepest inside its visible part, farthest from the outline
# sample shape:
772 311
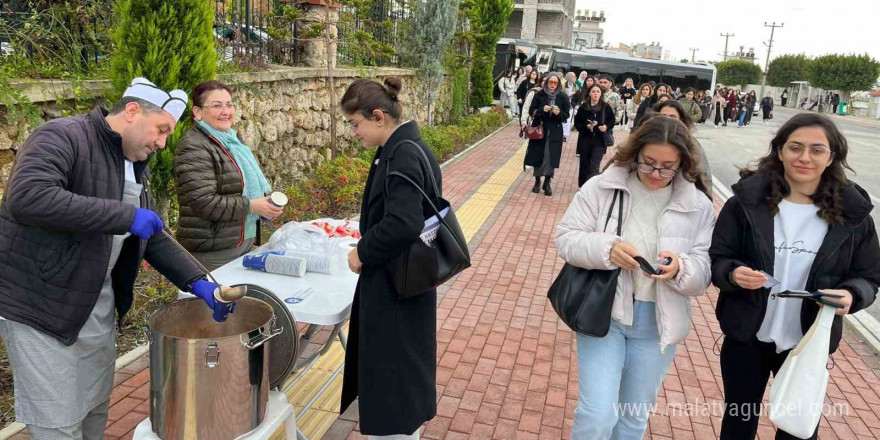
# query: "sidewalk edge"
862 324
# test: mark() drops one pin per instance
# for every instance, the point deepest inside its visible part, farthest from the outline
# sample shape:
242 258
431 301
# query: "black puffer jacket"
62 206
847 259
209 190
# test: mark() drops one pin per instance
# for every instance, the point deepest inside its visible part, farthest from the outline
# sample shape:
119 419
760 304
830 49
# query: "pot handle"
261 338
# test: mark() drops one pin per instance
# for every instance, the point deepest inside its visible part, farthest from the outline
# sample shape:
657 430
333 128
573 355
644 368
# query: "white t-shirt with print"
798 233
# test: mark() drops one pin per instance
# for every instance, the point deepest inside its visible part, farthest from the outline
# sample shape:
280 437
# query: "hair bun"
393 86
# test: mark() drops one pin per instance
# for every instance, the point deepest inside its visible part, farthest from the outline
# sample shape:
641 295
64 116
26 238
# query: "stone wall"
283 114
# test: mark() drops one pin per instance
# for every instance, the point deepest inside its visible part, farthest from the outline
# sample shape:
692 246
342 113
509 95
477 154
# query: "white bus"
621 66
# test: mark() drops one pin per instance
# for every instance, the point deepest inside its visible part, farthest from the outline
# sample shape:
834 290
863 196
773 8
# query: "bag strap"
426 163
617 193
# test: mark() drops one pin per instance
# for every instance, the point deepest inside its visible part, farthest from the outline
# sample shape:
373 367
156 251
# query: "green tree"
847 73
433 25
171 43
738 72
787 68
488 19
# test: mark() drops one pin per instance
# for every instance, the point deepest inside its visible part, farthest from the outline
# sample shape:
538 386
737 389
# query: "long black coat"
847 259
391 358
594 138
552 128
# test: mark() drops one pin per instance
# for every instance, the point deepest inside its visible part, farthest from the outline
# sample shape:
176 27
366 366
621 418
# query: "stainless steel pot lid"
283 347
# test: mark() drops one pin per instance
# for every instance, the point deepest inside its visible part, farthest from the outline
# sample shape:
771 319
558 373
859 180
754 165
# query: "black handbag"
583 298
424 266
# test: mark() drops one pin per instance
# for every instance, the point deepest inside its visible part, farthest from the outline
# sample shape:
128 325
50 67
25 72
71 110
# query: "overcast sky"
811 26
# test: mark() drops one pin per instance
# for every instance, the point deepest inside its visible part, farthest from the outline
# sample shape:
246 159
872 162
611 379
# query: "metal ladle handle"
191 257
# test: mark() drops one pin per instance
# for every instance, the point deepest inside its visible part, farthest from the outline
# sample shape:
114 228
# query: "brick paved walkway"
507 367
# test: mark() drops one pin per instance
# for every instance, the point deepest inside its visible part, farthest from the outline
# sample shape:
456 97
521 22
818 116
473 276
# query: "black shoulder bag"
441 251
607 137
583 298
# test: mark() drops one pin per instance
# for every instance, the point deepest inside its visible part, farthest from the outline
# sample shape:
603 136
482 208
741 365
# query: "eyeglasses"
816 151
353 125
219 106
646 168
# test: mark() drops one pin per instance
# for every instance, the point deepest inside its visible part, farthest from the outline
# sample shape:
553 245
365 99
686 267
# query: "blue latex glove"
205 290
145 224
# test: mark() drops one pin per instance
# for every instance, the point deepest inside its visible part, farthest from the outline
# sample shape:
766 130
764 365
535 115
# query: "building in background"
547 23
743 54
622 48
653 51
588 33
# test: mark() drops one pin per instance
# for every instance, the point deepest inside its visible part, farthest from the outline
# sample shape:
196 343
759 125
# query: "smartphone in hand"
650 270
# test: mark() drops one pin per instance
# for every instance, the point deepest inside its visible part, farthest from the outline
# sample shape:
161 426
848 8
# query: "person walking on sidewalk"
550 107
691 105
611 97
732 108
795 216
784 97
752 99
594 119
394 382
627 94
767 107
534 80
720 109
644 101
77 222
674 110
572 91
665 216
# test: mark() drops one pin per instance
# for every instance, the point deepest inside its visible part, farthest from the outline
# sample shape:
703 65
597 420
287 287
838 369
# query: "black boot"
537 188
547 190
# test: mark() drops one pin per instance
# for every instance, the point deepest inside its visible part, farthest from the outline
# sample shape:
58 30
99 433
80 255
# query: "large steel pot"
209 380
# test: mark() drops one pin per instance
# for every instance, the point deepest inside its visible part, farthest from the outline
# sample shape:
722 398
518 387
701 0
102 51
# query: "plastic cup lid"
278 198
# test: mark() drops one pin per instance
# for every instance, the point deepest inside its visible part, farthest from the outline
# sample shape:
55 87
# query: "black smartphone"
650 270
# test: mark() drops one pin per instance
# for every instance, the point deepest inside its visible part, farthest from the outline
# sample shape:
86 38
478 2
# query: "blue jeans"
742 118
618 378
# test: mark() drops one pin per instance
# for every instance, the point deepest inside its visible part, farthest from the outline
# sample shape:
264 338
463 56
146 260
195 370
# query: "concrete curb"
475 145
862 323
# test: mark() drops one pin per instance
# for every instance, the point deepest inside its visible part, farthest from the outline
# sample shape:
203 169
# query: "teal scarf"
255 184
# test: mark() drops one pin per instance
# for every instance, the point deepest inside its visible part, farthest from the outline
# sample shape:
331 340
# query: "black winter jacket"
62 206
849 258
552 128
209 189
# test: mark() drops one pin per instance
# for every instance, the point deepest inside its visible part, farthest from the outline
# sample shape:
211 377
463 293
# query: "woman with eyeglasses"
391 358
220 187
668 223
594 118
549 108
796 217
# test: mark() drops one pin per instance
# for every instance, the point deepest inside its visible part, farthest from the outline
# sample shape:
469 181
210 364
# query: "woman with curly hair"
796 217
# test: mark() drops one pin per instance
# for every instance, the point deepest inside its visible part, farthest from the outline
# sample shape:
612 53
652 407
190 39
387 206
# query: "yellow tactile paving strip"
471 216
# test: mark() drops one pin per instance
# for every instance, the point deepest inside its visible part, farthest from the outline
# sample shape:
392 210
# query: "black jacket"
767 102
209 190
643 108
593 138
391 358
552 128
523 89
849 258
62 206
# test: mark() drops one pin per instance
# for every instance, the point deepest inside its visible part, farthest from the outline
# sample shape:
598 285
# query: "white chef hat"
174 102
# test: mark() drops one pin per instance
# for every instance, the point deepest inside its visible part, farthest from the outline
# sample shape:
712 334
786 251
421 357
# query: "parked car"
250 36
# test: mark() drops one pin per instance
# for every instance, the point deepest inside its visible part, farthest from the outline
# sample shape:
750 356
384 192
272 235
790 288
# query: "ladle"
227 294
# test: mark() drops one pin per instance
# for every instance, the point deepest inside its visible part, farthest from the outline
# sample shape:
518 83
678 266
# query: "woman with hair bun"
391 358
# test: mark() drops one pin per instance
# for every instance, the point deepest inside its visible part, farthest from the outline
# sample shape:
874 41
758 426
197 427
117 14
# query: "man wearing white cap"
75 223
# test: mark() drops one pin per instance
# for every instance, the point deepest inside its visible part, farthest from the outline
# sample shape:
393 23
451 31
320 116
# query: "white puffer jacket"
685 229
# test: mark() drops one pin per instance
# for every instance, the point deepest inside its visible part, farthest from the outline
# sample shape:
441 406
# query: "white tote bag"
797 395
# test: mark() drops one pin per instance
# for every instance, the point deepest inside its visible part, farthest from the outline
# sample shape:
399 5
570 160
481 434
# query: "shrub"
334 190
